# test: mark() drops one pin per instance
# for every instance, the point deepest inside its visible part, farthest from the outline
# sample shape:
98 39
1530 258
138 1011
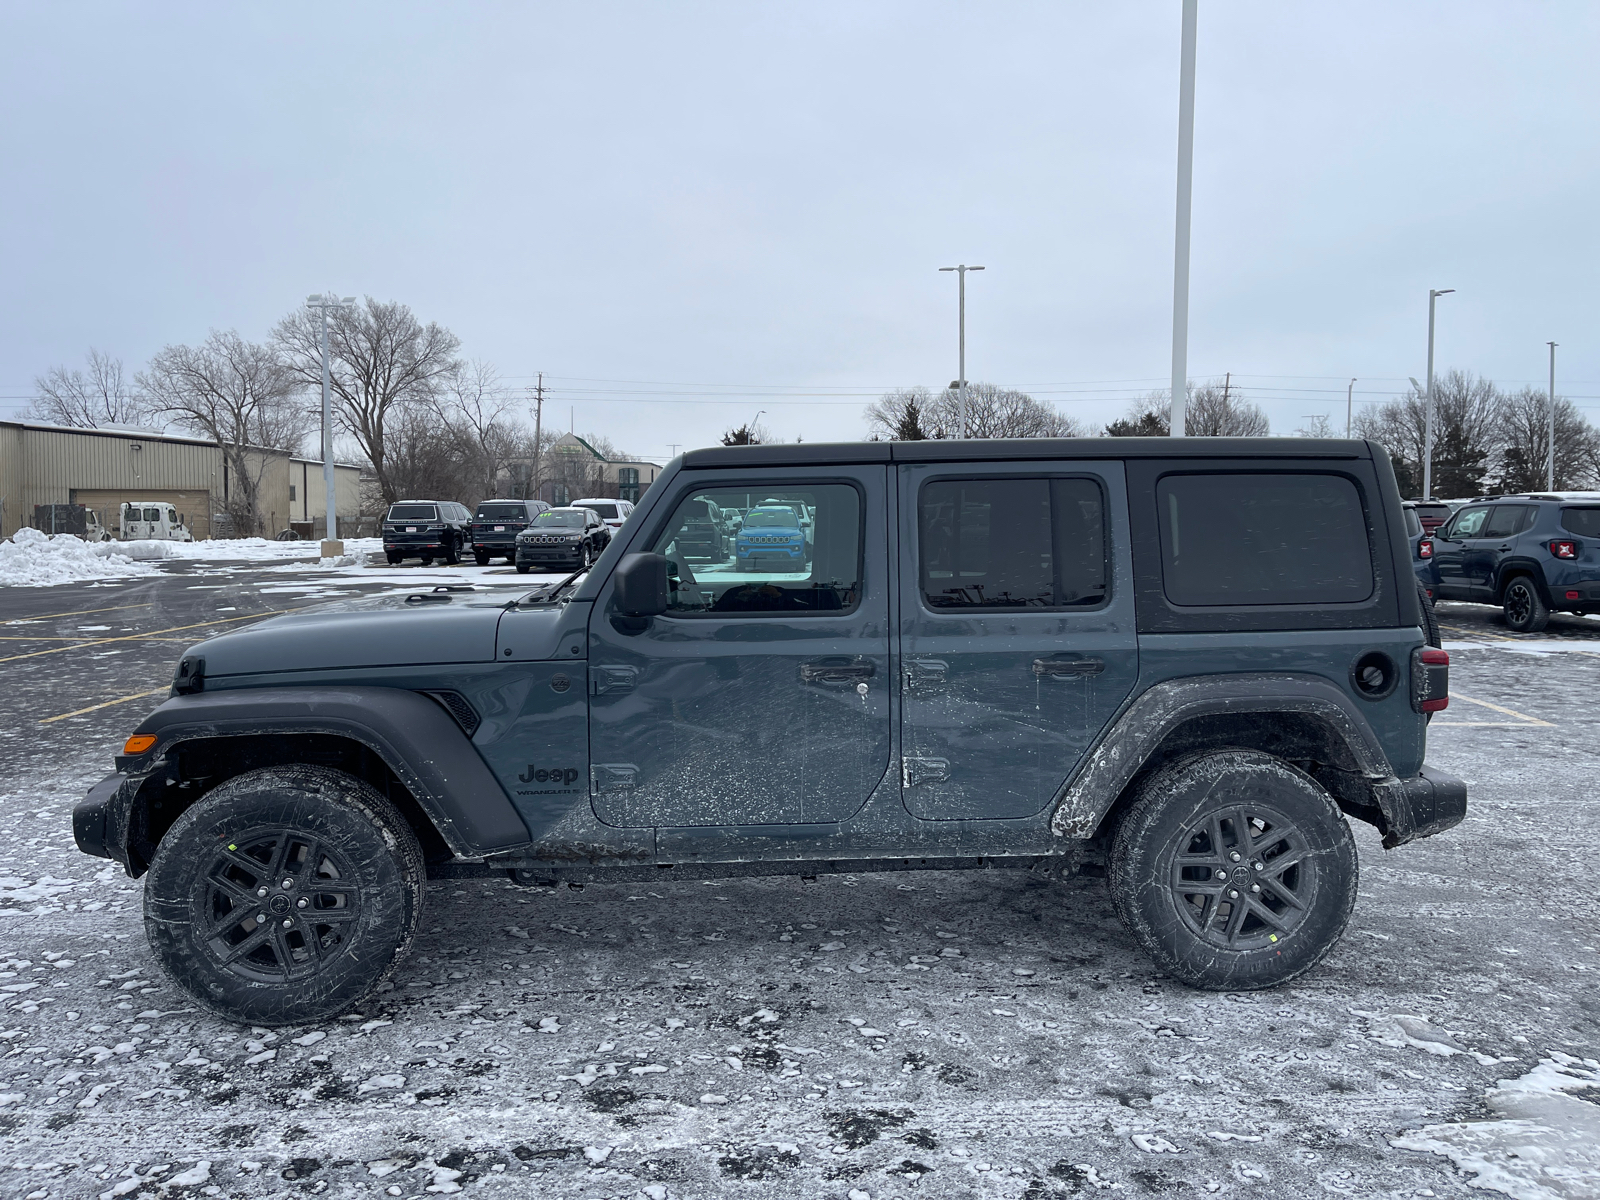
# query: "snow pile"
1546 1146
34 559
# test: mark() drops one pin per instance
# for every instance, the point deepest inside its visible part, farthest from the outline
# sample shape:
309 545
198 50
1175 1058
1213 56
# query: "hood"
377 632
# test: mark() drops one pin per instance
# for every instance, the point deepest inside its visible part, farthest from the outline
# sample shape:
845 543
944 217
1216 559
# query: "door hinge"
914 771
612 679
612 777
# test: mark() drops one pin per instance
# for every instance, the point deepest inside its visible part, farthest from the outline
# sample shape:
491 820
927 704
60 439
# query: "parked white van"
153 520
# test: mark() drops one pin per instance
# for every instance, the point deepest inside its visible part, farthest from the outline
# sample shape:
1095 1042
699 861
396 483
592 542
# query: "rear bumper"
496 543
1420 807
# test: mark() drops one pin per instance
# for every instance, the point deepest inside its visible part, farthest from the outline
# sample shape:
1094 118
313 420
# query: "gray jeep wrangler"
1178 664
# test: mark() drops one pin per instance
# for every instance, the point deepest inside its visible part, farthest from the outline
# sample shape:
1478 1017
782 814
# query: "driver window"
751 550
1468 524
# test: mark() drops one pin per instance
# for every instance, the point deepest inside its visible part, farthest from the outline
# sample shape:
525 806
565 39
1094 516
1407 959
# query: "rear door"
1017 629
1485 554
759 697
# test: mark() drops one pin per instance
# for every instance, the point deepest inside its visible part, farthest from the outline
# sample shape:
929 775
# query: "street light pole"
1427 422
332 547
1550 450
1180 265
1349 406
961 337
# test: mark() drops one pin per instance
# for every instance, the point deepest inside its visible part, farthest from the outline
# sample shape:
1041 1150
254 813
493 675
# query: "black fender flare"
412 733
1521 566
1131 737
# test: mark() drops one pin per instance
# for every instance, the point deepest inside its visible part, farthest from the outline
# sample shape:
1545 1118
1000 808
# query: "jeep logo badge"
534 774
559 683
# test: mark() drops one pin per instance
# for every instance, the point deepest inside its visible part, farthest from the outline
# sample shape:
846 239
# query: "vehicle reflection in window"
733 550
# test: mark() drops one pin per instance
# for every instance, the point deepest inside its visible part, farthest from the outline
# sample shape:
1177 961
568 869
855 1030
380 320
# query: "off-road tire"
347 852
1197 807
1430 620
481 557
1526 611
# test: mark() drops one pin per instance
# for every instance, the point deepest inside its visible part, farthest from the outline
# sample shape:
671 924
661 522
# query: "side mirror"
641 585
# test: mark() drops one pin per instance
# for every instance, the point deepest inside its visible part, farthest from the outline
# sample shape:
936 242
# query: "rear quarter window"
1585 522
1255 539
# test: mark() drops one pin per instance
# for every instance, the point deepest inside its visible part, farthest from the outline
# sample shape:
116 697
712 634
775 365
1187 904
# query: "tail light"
1424 549
1430 679
1564 549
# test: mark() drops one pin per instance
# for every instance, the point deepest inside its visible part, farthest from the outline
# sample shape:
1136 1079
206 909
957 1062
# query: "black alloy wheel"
1525 608
1233 869
284 895
452 550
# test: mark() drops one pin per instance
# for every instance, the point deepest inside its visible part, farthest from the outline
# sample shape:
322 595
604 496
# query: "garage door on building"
194 508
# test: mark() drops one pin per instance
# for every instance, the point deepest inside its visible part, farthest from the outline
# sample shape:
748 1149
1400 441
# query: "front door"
1485 553
761 697
1017 630
1451 549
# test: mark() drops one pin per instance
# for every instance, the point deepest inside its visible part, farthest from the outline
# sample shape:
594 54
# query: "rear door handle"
1067 666
835 671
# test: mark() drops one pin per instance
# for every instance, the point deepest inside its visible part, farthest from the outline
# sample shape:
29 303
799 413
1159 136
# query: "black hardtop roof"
1001 449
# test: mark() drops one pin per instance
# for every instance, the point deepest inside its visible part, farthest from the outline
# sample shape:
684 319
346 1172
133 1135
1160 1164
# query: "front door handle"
1062 667
840 670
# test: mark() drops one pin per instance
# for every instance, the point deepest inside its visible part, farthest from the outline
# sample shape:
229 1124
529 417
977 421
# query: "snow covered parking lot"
887 1035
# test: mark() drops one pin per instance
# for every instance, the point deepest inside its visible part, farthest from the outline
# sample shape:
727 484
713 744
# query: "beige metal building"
104 468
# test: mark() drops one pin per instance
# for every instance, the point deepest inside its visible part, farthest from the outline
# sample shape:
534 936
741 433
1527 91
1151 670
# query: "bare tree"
1215 411
1317 425
382 358
479 413
1467 434
1525 438
240 395
904 415
1148 416
89 399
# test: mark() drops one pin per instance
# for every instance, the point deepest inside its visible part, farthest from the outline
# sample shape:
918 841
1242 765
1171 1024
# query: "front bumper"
98 819
1415 808
550 555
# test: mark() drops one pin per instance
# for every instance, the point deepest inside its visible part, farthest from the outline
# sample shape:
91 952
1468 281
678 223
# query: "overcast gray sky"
684 213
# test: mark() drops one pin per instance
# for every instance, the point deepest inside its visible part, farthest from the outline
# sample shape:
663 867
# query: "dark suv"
426 529
562 538
1533 554
496 524
1183 665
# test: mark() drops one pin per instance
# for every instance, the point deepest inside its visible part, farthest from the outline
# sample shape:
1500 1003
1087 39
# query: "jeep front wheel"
1234 870
285 895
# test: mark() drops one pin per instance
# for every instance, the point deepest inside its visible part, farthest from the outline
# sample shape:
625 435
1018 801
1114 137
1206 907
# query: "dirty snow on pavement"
979 1034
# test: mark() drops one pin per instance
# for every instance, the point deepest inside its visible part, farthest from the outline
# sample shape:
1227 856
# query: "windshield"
502 512
1585 522
770 518
413 512
559 519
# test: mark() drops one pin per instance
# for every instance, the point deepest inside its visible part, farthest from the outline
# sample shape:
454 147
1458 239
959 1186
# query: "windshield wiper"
548 593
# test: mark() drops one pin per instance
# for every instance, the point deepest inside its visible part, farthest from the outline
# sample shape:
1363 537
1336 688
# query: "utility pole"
1349 406
1180 265
1427 436
538 433
961 338
1550 450
332 547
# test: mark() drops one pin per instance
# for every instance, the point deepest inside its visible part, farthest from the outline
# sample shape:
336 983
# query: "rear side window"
1585 522
998 544
1263 539
413 512
1507 520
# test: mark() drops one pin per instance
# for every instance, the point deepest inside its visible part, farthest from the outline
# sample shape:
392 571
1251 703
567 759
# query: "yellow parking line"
1523 718
133 637
78 712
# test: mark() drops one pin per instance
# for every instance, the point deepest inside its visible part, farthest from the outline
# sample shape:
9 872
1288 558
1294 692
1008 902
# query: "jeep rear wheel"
1525 608
285 895
1234 870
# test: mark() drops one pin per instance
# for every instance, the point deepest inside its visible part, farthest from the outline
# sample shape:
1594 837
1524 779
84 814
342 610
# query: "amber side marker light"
139 743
